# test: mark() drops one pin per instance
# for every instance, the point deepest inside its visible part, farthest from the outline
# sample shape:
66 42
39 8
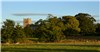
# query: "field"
50 47
73 44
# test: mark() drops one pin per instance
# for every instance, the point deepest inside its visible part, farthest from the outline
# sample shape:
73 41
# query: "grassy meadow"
73 44
50 47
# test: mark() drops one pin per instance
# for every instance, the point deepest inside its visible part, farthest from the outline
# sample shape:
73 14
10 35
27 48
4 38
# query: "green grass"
50 47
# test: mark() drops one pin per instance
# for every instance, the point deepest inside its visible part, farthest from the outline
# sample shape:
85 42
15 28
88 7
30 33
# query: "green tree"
86 23
71 25
57 28
28 31
18 34
50 30
7 30
98 29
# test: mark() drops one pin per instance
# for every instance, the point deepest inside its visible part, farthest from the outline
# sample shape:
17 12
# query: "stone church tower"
26 21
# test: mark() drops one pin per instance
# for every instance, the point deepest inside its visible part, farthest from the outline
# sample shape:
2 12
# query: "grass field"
71 44
50 47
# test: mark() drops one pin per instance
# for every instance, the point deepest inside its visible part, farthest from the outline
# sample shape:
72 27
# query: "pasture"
50 47
72 44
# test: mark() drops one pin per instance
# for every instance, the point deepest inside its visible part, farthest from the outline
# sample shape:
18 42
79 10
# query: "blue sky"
50 0
55 8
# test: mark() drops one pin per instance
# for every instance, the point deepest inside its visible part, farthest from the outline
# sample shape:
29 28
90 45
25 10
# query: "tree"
28 31
50 30
18 34
98 29
7 30
86 23
57 28
71 25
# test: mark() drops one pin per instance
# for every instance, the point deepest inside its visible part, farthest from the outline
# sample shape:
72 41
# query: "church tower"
26 21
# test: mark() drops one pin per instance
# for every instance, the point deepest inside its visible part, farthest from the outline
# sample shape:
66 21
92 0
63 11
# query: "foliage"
18 34
11 32
50 30
98 29
71 25
7 30
86 23
28 31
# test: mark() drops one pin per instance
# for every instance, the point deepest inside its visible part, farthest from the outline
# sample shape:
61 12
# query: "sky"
50 0
49 7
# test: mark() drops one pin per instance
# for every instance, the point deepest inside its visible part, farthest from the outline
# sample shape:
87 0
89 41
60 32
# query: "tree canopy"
7 30
71 25
51 30
86 23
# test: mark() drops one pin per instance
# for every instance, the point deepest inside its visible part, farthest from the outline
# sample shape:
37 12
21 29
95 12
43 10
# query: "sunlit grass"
50 47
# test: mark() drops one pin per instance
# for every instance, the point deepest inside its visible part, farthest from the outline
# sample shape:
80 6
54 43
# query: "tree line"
51 30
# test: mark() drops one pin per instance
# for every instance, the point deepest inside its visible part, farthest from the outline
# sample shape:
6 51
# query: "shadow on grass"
43 50
61 45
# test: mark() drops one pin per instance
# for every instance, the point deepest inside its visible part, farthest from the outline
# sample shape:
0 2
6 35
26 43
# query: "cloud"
28 14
